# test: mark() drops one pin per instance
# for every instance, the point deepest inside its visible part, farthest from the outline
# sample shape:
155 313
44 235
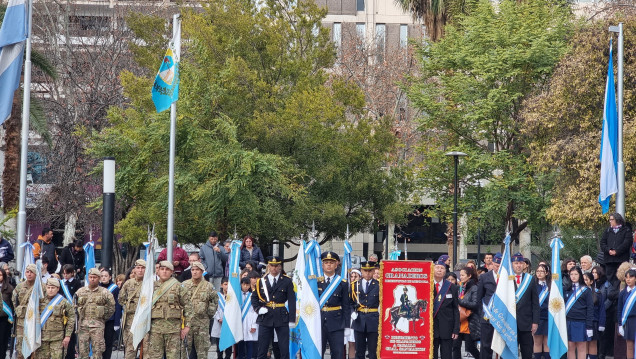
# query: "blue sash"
49 309
112 287
573 298
486 308
543 295
521 290
326 294
440 297
221 301
247 304
67 294
7 309
627 308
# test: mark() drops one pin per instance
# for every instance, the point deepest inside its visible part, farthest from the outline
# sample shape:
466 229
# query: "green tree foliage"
264 142
564 123
471 91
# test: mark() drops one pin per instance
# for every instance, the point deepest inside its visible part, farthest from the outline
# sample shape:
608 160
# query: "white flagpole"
176 36
26 103
620 195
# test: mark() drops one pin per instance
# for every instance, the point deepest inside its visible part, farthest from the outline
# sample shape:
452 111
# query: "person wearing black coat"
445 313
467 298
542 286
616 246
336 312
606 341
485 289
74 254
251 253
528 309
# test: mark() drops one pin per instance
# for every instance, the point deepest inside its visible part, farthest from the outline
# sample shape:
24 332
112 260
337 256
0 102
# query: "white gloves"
354 315
116 328
601 329
590 333
621 331
292 325
263 310
347 332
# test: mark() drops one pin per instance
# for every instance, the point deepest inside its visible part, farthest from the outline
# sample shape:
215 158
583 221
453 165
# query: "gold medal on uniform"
439 298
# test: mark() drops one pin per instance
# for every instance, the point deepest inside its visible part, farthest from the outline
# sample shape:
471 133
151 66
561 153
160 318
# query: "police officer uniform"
269 302
365 298
528 309
335 313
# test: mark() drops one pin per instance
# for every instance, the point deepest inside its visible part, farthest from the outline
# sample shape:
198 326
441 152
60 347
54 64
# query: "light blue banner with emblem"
49 309
165 90
504 310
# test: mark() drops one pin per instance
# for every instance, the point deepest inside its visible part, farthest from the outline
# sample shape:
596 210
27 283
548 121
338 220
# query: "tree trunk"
11 173
69 228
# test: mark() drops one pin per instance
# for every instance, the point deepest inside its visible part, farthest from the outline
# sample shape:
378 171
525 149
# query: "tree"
563 125
264 142
437 13
471 92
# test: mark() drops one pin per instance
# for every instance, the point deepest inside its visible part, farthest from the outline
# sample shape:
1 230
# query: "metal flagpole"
26 103
620 196
176 36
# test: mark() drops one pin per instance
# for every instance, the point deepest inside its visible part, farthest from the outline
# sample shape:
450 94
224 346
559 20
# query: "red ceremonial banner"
406 314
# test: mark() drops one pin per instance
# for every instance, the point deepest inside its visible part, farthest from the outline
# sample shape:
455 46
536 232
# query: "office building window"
404 36
380 41
360 5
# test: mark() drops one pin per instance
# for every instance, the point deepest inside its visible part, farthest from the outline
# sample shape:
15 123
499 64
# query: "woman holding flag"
542 285
626 312
579 315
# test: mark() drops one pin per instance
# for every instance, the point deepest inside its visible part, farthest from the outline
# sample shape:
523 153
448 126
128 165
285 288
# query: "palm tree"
12 129
436 13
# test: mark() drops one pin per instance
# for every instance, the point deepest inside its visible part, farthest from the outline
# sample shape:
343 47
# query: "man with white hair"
586 264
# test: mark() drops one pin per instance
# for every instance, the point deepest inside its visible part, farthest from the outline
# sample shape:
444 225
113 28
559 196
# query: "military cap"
140 262
368 265
440 262
517 257
94 271
166 264
443 258
53 281
198 265
329 256
32 268
497 258
274 260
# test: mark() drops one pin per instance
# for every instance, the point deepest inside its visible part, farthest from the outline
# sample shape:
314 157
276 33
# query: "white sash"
627 308
221 301
49 309
573 298
265 291
522 288
326 294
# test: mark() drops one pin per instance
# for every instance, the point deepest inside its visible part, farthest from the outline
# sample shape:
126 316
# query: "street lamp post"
108 215
456 156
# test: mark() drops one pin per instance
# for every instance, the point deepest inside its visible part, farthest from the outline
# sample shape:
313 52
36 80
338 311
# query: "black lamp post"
108 215
456 156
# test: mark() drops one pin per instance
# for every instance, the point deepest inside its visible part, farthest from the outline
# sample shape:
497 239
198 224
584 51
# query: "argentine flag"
346 260
557 328
28 257
504 310
232 327
13 36
142 319
609 141
89 258
32 328
308 269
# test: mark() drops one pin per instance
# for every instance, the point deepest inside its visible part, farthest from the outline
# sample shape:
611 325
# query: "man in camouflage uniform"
204 300
20 299
57 324
170 308
95 305
128 298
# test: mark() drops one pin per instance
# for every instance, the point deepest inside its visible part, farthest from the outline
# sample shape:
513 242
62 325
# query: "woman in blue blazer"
542 278
599 315
626 312
579 315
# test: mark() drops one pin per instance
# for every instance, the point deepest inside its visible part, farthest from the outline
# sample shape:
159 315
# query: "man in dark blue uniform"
365 297
272 291
445 312
528 309
485 289
335 306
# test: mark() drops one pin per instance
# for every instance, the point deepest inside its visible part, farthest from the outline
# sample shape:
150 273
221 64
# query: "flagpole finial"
347 234
235 233
313 234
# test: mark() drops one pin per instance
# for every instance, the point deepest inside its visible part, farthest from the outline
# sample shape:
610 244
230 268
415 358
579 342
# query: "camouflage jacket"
204 302
95 306
171 307
61 322
20 299
129 296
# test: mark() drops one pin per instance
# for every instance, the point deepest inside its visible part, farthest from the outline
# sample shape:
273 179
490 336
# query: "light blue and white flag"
142 319
609 141
28 257
165 90
557 328
346 260
32 329
308 302
232 327
504 310
89 258
13 36
395 255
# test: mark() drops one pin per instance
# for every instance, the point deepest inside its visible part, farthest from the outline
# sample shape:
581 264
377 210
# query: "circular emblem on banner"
228 297
143 300
30 314
556 305
309 310
555 276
